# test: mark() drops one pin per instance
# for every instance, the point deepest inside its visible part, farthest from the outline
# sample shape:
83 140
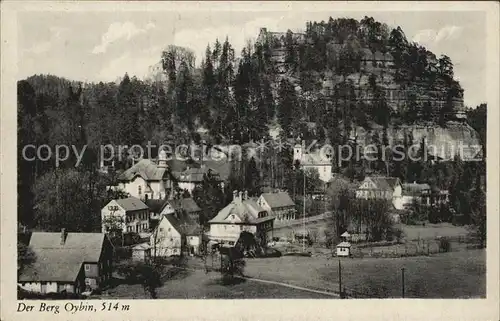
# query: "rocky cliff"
456 138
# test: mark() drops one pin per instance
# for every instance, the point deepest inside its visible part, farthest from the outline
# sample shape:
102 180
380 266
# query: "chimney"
241 196
235 195
246 195
63 236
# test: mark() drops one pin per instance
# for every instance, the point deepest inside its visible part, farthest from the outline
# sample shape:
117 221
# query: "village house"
71 262
147 179
155 208
439 197
182 206
175 233
192 176
126 214
415 193
380 187
242 214
318 160
278 204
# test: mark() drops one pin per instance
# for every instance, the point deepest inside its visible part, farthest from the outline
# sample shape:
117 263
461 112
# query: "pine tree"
252 177
184 110
288 107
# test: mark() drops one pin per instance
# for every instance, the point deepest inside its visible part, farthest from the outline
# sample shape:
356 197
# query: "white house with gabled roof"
127 214
242 214
147 179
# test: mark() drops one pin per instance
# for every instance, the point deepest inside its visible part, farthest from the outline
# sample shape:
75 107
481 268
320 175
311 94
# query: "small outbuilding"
344 249
141 252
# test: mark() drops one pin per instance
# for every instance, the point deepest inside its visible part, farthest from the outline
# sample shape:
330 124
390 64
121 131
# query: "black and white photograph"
262 154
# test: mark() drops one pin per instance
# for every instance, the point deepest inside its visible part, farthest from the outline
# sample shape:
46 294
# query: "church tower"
297 153
162 159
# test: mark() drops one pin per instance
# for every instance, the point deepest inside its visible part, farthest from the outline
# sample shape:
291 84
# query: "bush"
444 245
389 234
122 253
458 219
398 234
270 253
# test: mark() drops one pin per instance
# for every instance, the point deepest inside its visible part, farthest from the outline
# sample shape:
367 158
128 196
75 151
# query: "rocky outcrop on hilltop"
454 139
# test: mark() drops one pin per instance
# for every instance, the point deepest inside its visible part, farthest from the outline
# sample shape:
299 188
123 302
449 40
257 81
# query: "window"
171 239
87 267
241 227
161 229
169 229
139 190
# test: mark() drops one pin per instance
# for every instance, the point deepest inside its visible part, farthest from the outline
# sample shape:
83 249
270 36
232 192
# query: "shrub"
270 253
389 234
398 234
122 253
444 245
458 219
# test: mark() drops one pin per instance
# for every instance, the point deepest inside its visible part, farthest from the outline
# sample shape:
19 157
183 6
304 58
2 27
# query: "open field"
198 285
411 232
450 275
431 231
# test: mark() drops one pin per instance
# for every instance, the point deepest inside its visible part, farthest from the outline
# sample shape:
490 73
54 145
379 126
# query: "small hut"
346 236
344 249
141 252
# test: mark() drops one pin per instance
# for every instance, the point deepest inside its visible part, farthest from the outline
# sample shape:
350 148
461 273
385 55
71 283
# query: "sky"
103 46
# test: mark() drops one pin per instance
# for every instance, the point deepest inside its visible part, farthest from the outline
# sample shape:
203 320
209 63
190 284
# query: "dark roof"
62 262
131 204
155 206
366 54
243 209
177 165
280 199
384 183
183 224
53 265
145 168
195 175
378 55
222 167
186 204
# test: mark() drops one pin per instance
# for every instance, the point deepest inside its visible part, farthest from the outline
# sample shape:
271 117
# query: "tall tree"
252 177
289 112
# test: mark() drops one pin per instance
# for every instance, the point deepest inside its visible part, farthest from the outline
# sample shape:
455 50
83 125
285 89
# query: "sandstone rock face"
456 138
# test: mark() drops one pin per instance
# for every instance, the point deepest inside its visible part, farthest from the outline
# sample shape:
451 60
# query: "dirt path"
292 286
